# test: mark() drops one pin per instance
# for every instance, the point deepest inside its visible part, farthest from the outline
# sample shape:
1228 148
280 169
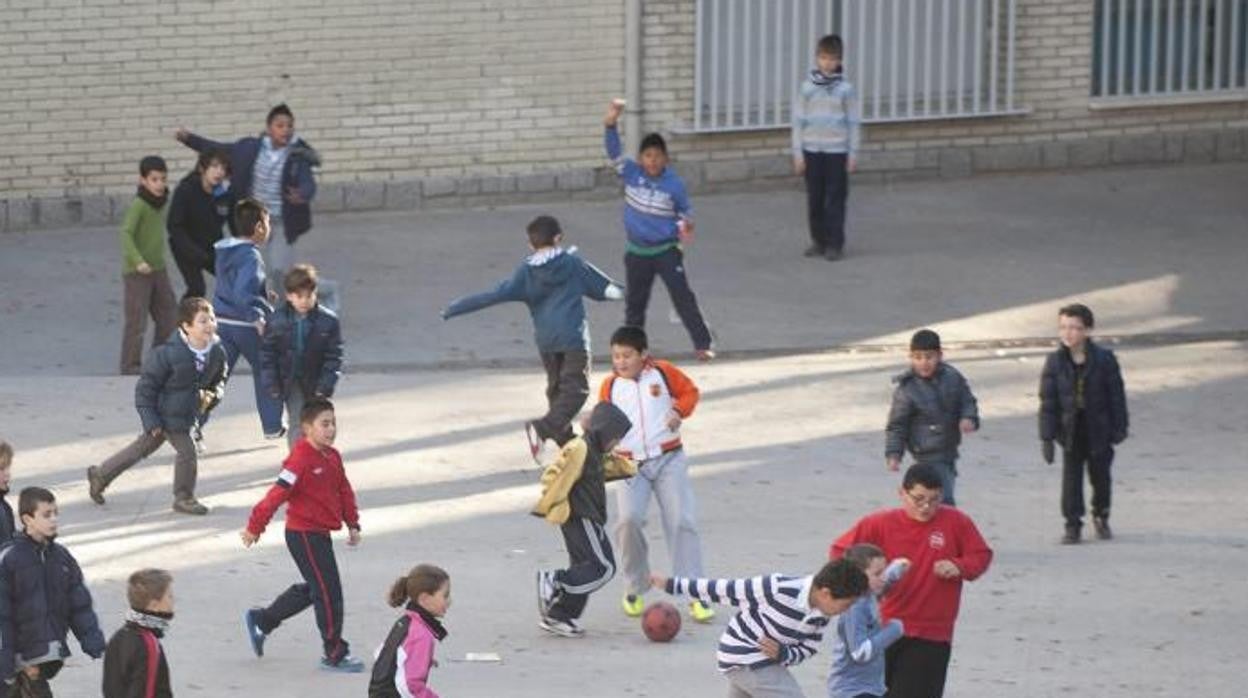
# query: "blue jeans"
242 340
948 478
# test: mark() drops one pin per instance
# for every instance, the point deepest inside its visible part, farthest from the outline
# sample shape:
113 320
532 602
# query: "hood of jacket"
549 269
607 423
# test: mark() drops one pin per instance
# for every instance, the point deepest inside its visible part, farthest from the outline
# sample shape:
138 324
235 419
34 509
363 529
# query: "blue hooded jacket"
551 282
240 292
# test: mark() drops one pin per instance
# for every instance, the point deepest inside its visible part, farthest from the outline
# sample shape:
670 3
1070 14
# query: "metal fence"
908 60
1157 48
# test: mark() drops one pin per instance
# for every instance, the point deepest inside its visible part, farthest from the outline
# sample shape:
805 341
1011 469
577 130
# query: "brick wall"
448 102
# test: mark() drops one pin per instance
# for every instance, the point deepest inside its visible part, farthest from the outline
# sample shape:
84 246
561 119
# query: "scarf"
817 77
434 624
156 622
156 202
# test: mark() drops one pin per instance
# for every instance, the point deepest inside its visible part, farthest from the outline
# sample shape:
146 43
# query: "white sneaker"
545 592
562 628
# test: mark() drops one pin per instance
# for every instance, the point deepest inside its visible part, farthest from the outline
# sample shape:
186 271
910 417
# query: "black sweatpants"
916 668
567 388
670 266
192 270
591 565
827 188
1098 466
321 589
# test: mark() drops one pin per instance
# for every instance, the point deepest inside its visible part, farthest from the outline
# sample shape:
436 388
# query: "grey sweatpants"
771 681
294 406
185 466
667 478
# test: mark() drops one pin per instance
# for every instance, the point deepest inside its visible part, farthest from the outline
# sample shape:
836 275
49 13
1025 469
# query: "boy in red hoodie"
320 498
944 548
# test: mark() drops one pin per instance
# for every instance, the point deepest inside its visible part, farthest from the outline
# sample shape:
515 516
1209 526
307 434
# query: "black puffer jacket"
167 394
134 652
195 222
1104 399
322 353
588 497
42 598
7 526
925 414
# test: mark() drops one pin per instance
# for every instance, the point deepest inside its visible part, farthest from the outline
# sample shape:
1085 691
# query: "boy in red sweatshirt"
320 498
944 548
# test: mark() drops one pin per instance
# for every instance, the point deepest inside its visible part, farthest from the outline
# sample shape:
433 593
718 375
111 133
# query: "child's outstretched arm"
198 143
507 290
277 495
864 645
598 285
893 574
623 166
742 593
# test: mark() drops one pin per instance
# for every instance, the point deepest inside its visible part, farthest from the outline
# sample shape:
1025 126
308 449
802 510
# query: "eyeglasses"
923 502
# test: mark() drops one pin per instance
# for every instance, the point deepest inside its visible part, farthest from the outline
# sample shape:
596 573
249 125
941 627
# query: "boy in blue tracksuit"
861 636
242 304
825 145
658 220
552 281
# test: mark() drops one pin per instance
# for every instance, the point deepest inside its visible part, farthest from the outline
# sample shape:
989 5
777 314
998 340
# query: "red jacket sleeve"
277 495
350 513
847 539
684 393
975 555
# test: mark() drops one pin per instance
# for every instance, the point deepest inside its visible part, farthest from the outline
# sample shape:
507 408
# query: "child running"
861 638
405 659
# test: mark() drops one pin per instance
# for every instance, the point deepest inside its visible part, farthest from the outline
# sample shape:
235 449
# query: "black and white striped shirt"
775 606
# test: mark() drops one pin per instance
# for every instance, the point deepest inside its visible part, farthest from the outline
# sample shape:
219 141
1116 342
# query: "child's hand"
851 165
893 463
614 109
770 647
673 420
945 569
294 197
353 536
658 581
181 135
684 231
143 268
259 327
1046 450
156 433
249 538
799 165
967 425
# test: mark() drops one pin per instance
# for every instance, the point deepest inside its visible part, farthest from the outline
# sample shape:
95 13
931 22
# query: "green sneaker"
700 612
633 606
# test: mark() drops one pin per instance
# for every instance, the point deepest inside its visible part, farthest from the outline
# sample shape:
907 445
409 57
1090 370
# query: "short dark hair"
630 336
313 409
842 578
208 157
1079 310
279 110
190 307
247 214
301 277
30 498
831 45
862 554
152 163
922 474
925 340
652 140
146 587
543 230
423 579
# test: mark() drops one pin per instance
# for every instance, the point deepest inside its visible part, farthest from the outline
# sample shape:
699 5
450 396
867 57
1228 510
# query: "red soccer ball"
660 621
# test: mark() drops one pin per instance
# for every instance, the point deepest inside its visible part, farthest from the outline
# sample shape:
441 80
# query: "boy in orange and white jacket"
656 396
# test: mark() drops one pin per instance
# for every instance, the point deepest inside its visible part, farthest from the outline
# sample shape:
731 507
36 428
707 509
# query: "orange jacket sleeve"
604 390
684 393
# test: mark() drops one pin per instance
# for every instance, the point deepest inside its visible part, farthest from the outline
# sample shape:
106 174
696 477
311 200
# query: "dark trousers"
145 294
916 668
670 266
567 388
192 272
321 589
827 188
591 564
1098 464
240 340
185 466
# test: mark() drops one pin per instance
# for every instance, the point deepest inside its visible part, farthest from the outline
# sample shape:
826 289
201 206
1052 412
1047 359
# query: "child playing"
658 220
243 304
42 598
196 218
825 122
552 282
932 408
147 288
574 496
301 355
275 168
7 526
135 663
405 660
1083 405
779 622
320 497
656 397
860 640
181 382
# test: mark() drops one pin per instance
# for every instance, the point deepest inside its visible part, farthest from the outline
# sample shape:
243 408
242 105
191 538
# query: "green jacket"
142 237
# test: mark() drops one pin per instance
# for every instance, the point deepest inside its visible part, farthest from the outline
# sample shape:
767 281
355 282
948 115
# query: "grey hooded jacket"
925 414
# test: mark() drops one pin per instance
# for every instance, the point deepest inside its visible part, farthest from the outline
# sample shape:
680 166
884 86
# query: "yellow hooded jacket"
559 477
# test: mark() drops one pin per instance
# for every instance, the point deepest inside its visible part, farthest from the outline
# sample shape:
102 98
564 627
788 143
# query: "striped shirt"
775 606
266 183
826 116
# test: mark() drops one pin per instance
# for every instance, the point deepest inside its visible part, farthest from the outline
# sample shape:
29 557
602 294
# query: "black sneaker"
256 636
833 254
1102 528
813 251
1072 535
95 485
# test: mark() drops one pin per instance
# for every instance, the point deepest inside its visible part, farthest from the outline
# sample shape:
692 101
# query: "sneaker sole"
560 633
339 669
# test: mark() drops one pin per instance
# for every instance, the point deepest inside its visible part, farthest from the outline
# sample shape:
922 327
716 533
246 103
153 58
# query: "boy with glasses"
944 548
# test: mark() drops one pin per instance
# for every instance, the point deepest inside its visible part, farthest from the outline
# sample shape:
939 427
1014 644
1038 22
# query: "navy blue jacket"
195 221
296 174
169 389
551 282
1104 399
322 353
240 292
42 598
7 527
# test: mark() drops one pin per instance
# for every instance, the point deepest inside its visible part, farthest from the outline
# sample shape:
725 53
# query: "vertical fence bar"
892 74
730 114
944 56
747 45
1218 15
961 55
699 69
1139 39
1236 36
1171 42
976 84
996 55
928 33
1121 87
713 102
1201 24
810 24
797 52
1107 20
779 55
1155 23
877 38
911 64
1187 43
1009 57
860 73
